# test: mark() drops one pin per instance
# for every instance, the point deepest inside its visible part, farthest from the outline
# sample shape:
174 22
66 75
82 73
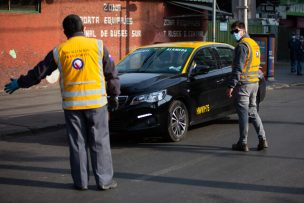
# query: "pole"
214 20
245 15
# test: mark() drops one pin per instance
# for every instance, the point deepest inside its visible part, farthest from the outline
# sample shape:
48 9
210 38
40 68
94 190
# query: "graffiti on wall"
175 28
109 20
114 23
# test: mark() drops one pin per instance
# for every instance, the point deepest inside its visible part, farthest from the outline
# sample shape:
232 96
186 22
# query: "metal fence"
222 33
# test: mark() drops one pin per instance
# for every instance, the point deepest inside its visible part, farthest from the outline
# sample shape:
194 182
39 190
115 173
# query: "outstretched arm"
33 76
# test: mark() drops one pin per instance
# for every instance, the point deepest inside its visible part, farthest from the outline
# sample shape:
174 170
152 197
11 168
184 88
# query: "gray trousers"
245 103
88 129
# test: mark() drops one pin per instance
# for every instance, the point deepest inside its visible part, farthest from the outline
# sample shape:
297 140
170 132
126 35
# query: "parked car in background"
170 86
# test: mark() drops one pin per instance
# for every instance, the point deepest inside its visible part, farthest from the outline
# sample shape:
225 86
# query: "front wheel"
178 121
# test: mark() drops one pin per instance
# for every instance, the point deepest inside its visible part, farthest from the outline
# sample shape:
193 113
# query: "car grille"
116 125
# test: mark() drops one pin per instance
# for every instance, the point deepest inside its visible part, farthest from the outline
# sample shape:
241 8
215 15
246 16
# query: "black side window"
225 56
204 57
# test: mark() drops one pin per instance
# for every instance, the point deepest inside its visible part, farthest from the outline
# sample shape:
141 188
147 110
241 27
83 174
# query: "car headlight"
150 98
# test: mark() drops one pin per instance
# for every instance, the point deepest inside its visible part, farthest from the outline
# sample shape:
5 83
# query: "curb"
278 85
23 130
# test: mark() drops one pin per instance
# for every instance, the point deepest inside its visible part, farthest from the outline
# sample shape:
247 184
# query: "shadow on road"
57 136
212 184
35 183
143 177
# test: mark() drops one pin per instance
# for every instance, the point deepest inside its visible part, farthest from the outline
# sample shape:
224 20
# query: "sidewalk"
31 111
283 77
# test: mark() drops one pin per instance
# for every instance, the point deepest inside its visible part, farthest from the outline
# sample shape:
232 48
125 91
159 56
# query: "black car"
167 87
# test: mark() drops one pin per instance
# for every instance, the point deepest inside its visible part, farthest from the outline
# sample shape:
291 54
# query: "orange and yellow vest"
250 72
82 82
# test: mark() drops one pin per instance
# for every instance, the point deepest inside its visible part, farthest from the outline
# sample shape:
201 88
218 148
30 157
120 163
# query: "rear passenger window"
226 55
206 58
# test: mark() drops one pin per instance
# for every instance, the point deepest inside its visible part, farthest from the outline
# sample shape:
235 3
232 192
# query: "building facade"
30 29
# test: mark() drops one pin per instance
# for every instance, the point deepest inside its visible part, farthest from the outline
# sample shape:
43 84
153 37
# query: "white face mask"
237 36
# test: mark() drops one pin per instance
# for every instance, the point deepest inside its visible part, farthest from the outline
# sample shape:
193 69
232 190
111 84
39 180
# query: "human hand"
12 86
229 92
113 103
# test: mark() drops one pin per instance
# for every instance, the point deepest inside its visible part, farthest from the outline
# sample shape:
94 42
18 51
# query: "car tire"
178 121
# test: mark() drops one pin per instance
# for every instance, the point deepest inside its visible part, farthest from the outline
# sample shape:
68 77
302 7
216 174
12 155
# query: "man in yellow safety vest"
87 76
243 85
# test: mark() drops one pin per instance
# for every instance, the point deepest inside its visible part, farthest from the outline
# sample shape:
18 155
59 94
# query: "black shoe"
262 145
111 185
80 188
299 74
240 147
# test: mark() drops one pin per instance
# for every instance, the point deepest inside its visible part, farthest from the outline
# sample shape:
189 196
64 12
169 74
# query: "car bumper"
138 117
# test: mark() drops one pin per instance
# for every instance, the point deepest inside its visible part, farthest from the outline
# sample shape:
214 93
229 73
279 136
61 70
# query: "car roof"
192 44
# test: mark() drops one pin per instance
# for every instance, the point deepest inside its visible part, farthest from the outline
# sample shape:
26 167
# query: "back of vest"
82 82
251 68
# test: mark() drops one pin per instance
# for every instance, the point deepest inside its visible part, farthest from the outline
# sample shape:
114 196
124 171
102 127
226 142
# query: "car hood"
138 83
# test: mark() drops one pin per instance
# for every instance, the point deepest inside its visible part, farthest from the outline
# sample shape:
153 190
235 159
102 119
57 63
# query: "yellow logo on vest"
77 63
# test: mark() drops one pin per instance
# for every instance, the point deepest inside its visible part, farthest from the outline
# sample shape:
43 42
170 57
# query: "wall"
185 25
123 25
26 38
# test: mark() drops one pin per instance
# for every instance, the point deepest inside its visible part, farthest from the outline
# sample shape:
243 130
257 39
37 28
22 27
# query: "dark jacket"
48 65
295 49
238 62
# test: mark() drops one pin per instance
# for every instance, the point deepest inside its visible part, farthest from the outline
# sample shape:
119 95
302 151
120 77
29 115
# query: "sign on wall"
112 15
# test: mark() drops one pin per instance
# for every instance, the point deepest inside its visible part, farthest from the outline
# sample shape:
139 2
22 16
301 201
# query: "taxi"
168 87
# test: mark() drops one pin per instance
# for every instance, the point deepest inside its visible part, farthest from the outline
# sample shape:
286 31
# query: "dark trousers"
296 66
88 131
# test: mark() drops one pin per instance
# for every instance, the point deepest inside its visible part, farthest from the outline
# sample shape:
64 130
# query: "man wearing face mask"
243 86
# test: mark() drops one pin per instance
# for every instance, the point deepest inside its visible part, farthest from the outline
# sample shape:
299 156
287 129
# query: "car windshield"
155 60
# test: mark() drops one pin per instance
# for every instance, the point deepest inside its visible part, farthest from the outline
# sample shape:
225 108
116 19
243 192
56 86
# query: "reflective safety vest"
82 82
250 72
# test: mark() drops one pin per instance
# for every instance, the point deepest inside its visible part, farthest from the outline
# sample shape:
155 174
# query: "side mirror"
200 69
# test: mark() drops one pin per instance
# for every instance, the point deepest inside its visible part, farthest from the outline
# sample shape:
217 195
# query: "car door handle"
220 81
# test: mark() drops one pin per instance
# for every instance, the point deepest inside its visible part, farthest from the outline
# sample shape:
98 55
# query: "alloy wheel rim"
178 121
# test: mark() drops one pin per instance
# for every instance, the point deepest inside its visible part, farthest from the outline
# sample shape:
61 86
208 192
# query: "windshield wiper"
152 57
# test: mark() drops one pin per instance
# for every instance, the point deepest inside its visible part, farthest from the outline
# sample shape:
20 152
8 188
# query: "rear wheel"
178 121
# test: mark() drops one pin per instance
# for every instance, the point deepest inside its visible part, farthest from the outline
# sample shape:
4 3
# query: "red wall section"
30 36
123 25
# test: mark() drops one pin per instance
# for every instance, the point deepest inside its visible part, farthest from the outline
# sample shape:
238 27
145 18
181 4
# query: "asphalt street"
202 168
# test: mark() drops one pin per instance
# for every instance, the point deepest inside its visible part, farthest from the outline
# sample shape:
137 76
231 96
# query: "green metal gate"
225 36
